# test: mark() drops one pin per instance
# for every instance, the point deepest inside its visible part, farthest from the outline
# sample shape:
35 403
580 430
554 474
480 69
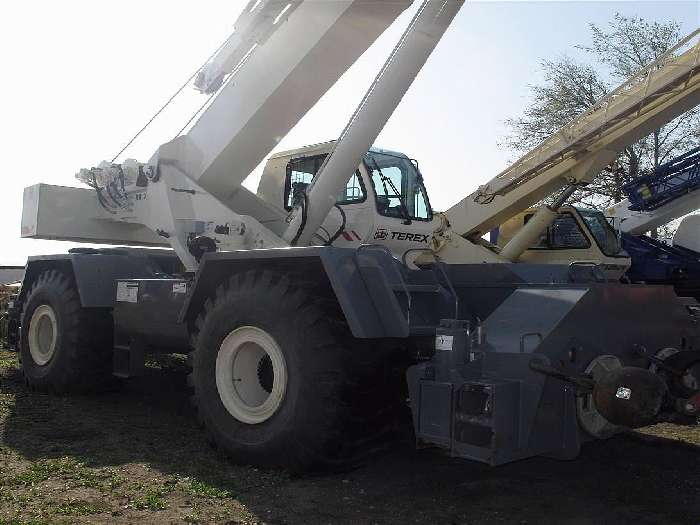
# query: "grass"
115 480
137 455
19 521
7 401
65 468
152 500
8 360
11 497
46 476
80 508
200 488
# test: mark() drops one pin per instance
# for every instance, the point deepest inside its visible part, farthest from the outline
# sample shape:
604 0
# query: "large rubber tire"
342 396
76 352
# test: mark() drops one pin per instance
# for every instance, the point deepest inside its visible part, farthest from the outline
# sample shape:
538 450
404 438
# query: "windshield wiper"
402 205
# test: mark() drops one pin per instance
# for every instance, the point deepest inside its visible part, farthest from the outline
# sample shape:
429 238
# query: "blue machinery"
654 261
666 183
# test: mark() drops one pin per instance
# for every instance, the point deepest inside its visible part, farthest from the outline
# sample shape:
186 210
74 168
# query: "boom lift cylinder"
385 93
539 222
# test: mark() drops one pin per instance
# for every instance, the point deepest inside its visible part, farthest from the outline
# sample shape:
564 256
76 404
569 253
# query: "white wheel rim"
251 374
43 333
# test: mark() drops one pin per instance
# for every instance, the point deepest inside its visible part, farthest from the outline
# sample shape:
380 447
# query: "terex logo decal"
381 234
415 237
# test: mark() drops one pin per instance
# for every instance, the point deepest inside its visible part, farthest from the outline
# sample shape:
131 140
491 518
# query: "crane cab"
384 200
576 236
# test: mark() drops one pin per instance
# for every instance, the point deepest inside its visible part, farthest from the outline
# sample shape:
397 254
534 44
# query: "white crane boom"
259 20
281 59
281 75
575 154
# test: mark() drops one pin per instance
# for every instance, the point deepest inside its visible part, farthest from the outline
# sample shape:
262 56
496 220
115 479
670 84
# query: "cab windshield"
604 234
398 186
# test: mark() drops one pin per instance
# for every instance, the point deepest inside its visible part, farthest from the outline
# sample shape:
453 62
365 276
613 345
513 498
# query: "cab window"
603 233
564 234
398 186
301 172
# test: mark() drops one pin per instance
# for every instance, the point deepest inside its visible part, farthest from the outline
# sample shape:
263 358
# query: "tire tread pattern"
83 361
358 386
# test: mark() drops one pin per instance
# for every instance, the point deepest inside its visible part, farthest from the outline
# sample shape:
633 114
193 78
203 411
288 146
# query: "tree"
570 88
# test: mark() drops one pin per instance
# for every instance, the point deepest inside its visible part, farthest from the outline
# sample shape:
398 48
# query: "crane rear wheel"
64 347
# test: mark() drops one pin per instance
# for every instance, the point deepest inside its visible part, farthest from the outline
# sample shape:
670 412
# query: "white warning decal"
127 292
443 342
623 393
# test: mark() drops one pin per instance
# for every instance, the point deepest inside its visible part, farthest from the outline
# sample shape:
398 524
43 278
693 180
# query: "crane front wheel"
279 380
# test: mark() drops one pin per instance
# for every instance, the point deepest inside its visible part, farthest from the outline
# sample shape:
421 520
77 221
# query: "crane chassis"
312 310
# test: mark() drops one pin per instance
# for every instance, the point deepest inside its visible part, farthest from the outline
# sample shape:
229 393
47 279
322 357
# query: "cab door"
383 202
348 223
403 219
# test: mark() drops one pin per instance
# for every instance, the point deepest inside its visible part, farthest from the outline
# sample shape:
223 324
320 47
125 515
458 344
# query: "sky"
78 78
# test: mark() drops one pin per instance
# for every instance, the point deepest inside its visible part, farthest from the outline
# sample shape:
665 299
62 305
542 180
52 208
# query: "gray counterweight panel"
528 316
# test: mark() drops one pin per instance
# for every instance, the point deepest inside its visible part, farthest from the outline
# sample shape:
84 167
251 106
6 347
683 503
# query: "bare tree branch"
569 88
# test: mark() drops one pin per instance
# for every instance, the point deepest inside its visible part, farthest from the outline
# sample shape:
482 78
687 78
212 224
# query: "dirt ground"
136 456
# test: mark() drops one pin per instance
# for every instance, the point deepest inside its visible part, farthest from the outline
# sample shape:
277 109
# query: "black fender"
363 281
95 271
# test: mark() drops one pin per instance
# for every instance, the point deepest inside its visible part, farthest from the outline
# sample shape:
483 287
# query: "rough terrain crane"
310 308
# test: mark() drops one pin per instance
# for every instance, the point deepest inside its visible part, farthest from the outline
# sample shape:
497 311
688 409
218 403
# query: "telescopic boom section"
281 60
659 93
258 21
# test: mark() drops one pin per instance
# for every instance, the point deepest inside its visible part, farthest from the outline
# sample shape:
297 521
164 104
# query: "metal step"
129 360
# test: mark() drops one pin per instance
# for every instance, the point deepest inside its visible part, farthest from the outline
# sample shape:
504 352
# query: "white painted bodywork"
613 266
273 90
259 20
73 214
688 233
